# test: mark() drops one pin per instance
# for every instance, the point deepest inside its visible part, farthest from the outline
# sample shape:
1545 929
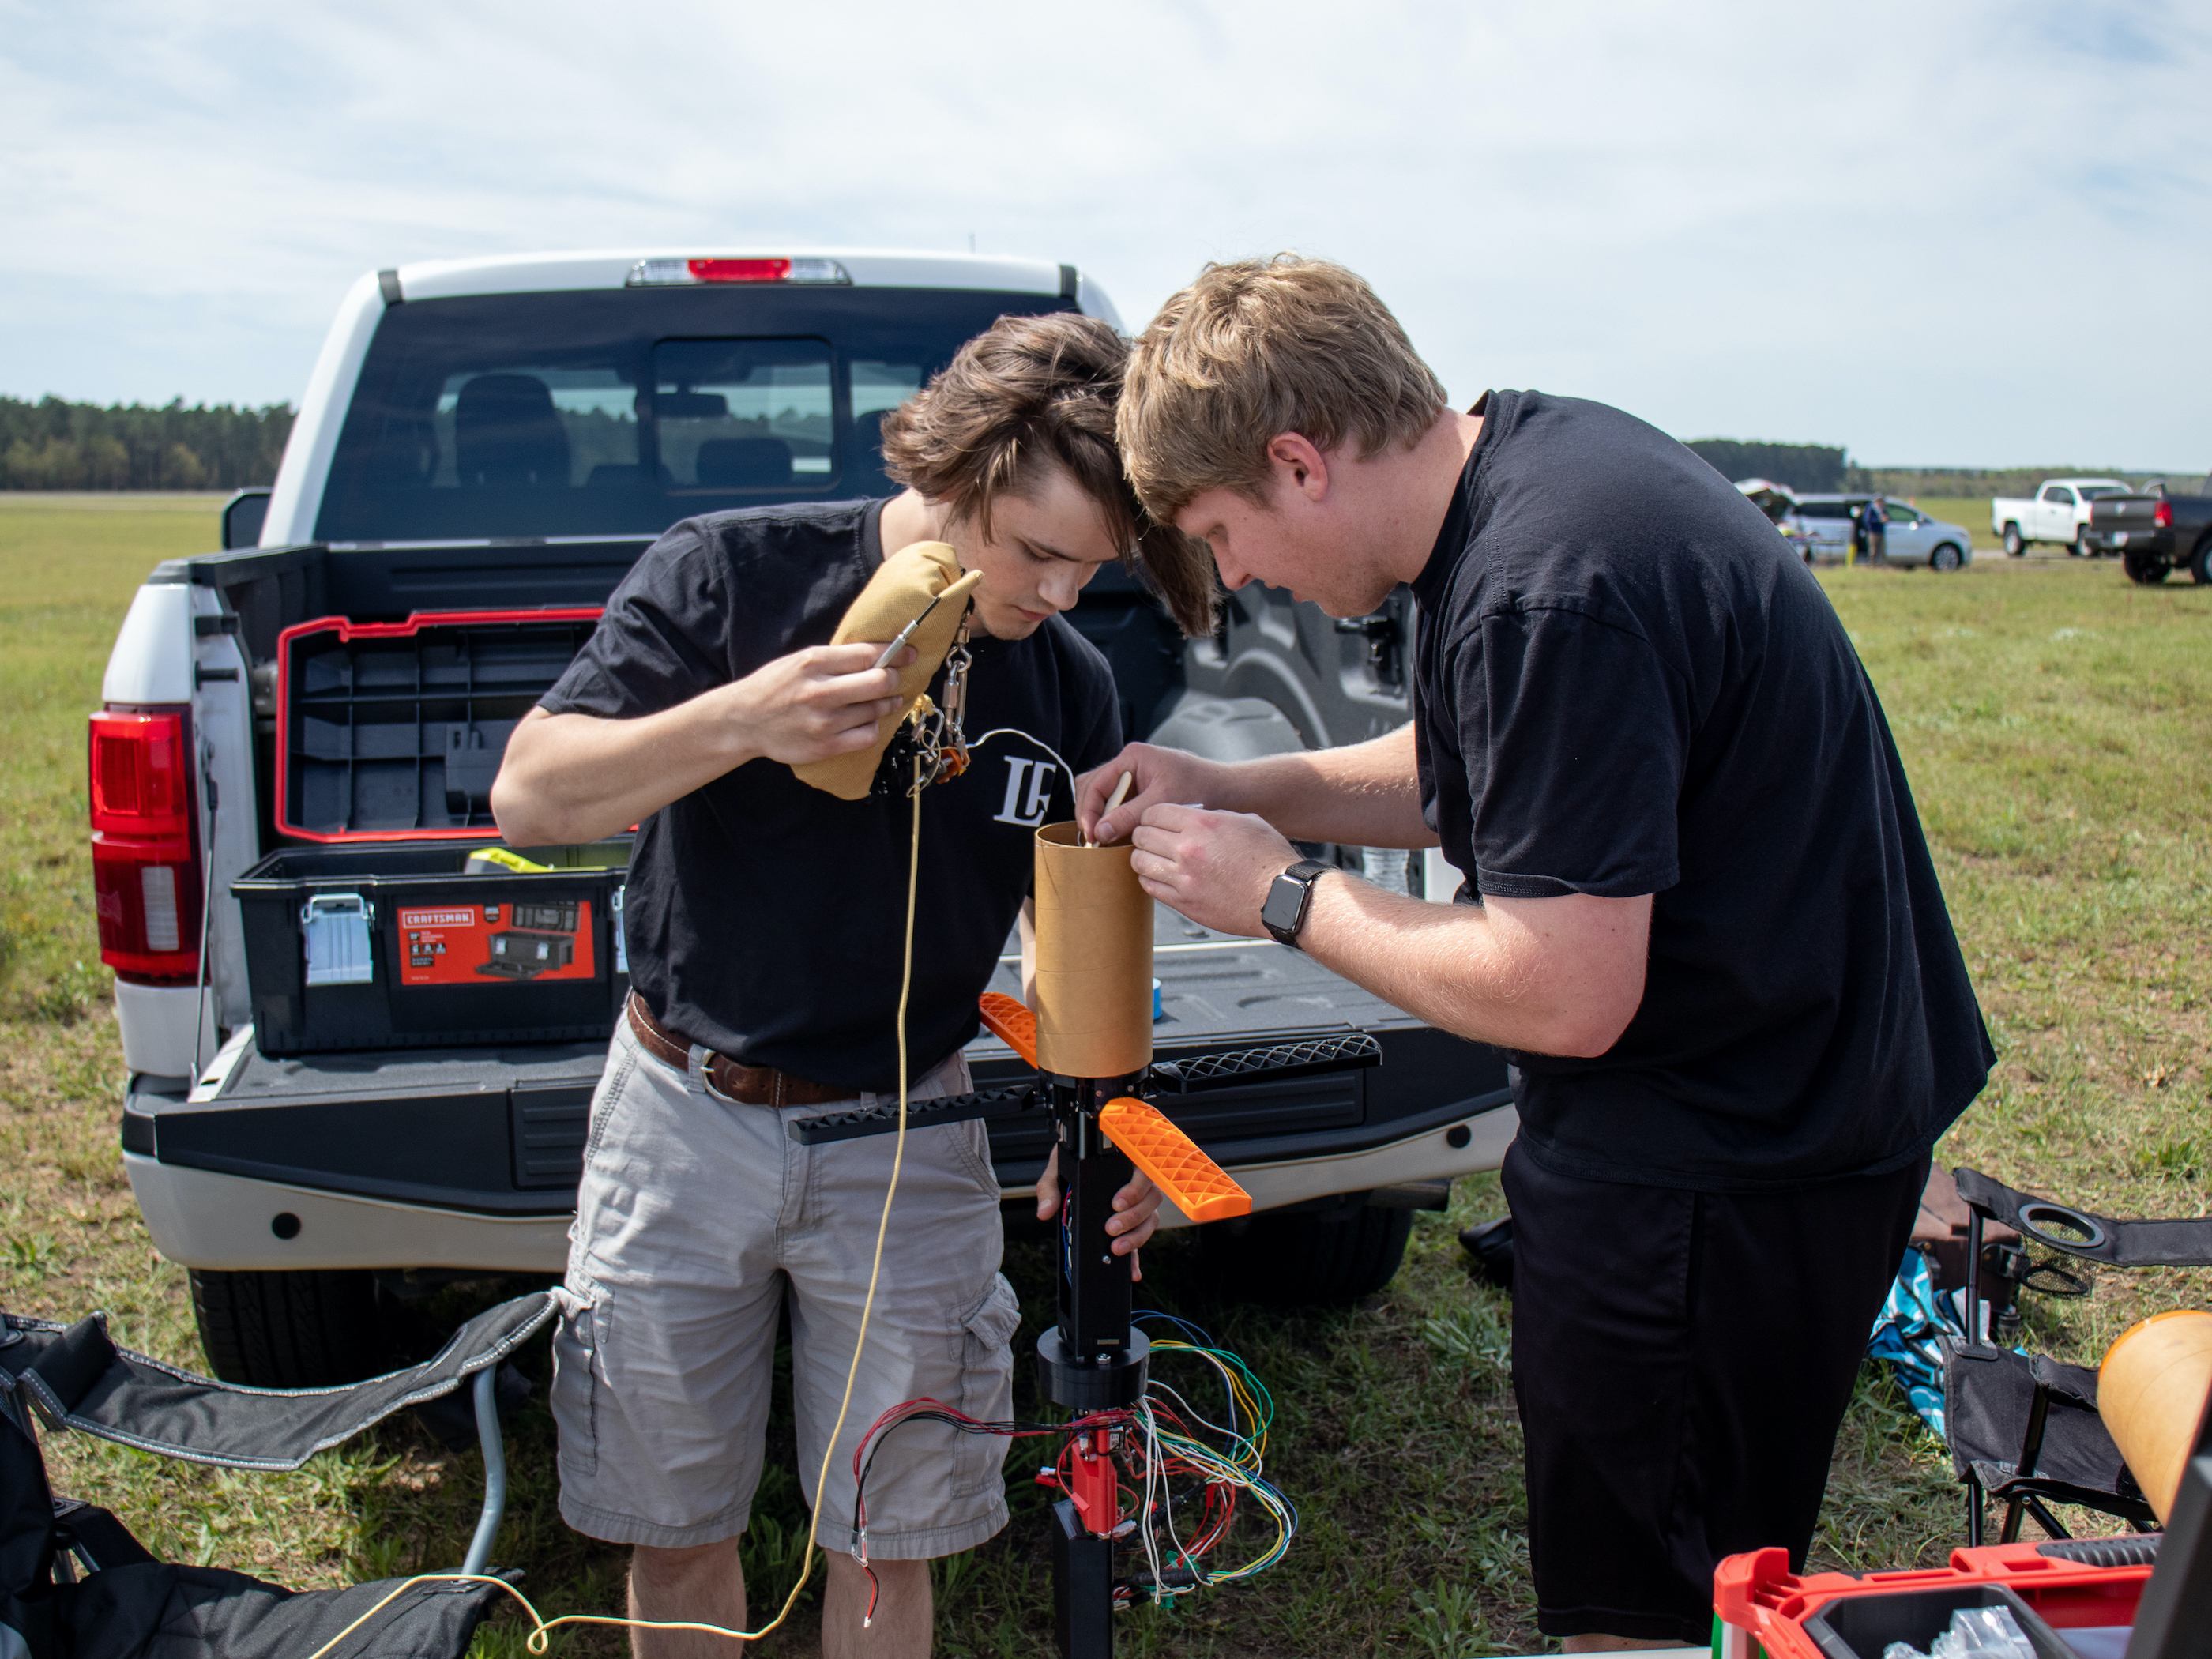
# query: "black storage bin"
1860 1626
394 945
397 729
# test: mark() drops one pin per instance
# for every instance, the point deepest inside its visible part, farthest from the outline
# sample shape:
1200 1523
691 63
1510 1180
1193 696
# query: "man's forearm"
570 778
1552 977
1364 794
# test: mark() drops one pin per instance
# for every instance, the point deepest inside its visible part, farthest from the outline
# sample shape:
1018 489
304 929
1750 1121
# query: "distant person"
1698 913
1874 524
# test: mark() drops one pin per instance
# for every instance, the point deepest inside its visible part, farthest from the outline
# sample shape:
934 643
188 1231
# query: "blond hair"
1029 388
1252 351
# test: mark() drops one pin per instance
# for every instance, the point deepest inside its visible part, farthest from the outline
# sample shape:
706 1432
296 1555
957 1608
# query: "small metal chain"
938 741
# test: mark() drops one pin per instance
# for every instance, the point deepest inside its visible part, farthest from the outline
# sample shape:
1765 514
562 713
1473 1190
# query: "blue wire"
1189 1329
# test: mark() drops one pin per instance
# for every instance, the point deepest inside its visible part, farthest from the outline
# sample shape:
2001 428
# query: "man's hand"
825 700
1214 867
1158 775
577 777
1136 1211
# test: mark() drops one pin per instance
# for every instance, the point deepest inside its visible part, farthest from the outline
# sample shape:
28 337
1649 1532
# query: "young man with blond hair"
766 923
1698 910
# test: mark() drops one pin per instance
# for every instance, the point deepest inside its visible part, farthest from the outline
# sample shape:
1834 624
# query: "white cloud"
1909 228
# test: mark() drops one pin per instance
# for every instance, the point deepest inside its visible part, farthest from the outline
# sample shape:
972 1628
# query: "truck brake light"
685 273
2162 515
145 855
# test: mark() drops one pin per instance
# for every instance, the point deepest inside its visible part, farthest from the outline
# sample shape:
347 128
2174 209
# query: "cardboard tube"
2151 1393
1094 959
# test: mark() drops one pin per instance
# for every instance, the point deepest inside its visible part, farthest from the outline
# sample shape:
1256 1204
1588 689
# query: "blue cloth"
1905 1335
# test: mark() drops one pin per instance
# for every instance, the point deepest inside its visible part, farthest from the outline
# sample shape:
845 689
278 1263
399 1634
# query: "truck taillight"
145 850
2162 515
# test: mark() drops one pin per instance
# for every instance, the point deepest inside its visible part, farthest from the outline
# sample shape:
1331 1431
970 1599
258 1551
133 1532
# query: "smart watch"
1288 895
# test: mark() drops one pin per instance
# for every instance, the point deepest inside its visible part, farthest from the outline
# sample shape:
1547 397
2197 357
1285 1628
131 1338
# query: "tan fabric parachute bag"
905 583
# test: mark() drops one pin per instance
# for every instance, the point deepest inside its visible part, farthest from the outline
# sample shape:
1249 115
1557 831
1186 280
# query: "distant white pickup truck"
2059 512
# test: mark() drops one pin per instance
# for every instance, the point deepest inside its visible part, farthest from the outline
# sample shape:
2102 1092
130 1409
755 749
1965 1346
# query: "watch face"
1285 908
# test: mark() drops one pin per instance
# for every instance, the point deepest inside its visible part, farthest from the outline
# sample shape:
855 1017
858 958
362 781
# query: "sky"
1967 232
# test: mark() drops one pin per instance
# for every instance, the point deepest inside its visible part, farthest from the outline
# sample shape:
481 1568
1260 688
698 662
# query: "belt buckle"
707 1058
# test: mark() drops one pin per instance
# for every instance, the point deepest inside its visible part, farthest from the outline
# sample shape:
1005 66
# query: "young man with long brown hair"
1699 911
765 921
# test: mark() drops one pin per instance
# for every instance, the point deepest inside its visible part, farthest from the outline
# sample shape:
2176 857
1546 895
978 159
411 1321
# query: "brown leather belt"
753 1085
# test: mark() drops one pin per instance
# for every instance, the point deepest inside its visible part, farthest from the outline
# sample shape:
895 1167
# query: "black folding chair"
74 1582
2024 1429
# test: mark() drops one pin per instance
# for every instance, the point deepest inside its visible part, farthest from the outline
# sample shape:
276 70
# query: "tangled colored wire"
1191 1474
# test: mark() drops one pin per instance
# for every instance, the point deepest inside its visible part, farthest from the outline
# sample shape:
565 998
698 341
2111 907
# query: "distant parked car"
2058 512
1773 499
1823 526
2156 532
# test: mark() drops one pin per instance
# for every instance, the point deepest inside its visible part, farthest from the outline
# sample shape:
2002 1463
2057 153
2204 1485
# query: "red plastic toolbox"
2075 1584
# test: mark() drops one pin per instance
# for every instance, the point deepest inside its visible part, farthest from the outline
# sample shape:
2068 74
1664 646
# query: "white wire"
1016 731
1154 1471
1158 1386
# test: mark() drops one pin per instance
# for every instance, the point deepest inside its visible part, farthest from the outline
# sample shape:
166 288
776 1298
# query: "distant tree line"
53 445
1961 481
1811 468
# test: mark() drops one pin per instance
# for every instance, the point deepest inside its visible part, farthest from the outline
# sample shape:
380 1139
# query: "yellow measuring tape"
542 1627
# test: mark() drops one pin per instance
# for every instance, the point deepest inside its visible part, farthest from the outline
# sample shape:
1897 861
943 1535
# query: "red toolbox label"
492 944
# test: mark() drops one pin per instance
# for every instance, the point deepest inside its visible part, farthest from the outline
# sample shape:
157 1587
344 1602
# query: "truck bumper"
1466 1145
203 1218
207 1218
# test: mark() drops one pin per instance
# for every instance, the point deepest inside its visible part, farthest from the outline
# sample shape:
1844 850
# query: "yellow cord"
541 1626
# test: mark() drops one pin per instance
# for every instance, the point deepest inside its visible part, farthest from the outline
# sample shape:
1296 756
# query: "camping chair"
2025 1430
75 1584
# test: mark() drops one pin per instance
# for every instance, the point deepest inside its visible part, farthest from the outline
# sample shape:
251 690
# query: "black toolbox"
385 946
395 731
368 931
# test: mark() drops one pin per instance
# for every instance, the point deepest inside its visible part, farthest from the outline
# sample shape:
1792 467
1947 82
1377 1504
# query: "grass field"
2055 724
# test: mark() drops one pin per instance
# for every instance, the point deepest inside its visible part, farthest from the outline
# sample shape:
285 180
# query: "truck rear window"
620 412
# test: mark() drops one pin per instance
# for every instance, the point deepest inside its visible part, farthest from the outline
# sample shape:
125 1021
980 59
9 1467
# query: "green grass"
2055 721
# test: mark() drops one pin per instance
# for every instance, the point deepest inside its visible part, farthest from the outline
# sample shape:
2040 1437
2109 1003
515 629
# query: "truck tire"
2015 543
2200 568
2083 548
1306 1260
1947 556
288 1330
2147 569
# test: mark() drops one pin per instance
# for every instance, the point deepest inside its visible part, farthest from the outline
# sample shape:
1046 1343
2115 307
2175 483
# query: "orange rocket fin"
1193 1182
1011 1023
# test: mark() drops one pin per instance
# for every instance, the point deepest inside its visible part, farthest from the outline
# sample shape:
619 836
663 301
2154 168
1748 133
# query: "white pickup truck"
2058 512
361 1061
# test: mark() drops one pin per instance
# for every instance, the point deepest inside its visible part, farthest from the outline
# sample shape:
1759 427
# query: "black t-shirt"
766 919
1627 683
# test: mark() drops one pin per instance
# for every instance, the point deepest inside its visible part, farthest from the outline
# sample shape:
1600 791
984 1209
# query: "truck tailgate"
500 1130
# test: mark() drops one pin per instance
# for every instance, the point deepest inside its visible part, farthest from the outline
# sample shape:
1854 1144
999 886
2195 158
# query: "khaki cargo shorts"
697 1218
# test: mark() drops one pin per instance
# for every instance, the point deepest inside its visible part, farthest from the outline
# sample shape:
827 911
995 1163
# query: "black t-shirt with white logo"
1627 683
766 919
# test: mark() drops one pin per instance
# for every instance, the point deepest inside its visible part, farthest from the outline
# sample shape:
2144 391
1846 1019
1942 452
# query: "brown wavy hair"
1042 386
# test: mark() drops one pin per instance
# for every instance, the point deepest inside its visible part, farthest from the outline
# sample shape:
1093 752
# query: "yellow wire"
542 1627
